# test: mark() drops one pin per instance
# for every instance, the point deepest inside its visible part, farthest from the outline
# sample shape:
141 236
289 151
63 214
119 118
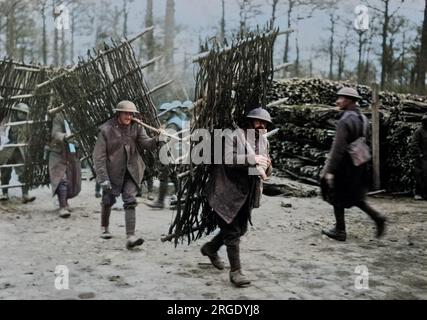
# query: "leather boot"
160 202
130 221
236 276
338 233
26 198
63 204
378 218
335 234
105 222
5 195
210 250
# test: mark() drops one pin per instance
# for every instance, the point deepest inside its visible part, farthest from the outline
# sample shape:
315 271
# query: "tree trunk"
273 13
289 15
421 78
73 30
125 18
169 32
242 18
44 34
297 64
384 55
359 61
331 47
222 26
55 41
148 39
63 48
11 32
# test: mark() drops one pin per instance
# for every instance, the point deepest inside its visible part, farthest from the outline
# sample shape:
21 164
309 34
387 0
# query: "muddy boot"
5 195
105 222
210 250
63 204
130 219
378 218
160 202
236 276
335 234
105 234
338 233
26 198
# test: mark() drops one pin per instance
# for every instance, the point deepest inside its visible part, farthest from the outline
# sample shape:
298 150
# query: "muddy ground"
284 254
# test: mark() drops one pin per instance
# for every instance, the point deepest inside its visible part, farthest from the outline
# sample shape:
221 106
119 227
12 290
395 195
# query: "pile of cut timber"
305 112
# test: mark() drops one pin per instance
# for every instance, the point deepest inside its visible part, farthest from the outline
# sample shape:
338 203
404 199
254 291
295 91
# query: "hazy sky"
201 17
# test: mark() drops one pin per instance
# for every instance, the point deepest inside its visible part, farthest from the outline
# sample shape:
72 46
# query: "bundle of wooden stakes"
230 82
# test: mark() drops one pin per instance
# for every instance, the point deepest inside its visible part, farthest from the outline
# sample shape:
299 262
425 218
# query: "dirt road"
284 253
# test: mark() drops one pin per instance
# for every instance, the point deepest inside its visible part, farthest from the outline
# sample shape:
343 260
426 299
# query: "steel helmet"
260 114
349 92
22 107
176 104
188 105
126 106
165 106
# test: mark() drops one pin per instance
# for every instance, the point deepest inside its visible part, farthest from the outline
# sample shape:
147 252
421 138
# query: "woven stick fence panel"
90 93
230 82
18 83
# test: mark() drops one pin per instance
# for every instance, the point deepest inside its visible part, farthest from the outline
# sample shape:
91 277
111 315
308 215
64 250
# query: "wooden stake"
160 86
12 186
56 110
21 123
26 69
23 96
376 137
204 55
12 165
150 62
155 129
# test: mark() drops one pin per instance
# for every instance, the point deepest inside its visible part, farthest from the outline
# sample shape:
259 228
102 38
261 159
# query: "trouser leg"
6 175
339 218
129 192
378 218
232 233
62 193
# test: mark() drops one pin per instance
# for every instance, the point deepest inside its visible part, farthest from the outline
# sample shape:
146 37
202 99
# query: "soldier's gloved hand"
106 186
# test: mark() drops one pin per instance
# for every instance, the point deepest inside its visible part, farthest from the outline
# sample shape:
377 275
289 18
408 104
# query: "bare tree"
248 9
385 54
274 4
149 22
222 23
43 8
169 32
422 65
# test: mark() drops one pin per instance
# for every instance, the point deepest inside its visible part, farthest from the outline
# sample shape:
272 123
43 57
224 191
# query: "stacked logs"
304 111
398 162
306 135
